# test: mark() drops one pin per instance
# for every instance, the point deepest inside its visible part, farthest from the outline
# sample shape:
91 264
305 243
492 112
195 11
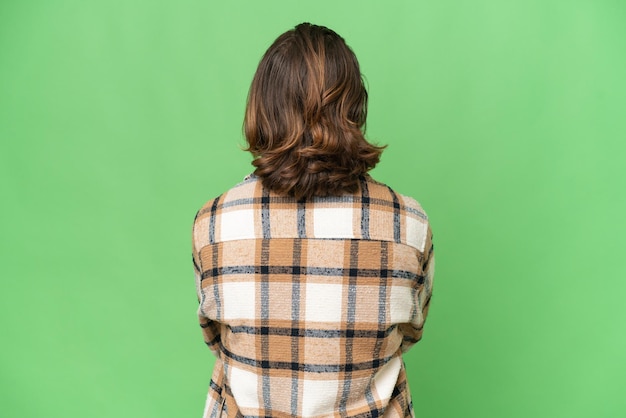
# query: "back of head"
305 116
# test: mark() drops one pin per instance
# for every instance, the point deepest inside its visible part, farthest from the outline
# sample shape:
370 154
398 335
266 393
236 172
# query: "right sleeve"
210 329
414 329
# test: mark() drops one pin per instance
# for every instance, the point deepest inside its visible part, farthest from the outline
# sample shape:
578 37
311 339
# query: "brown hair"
306 114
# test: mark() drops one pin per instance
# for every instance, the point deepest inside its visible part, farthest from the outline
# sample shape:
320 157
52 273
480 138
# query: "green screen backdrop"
505 119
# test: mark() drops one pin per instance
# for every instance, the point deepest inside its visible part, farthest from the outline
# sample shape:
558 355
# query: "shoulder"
242 192
406 204
411 224
239 197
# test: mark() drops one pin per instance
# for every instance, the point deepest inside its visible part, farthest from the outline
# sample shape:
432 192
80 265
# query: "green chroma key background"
505 119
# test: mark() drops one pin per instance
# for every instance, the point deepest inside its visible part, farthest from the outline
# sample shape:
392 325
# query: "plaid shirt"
308 305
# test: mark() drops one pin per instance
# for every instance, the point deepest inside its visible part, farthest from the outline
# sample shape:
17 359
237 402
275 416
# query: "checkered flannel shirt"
308 305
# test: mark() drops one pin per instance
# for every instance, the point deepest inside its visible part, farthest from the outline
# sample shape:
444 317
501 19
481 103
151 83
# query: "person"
312 277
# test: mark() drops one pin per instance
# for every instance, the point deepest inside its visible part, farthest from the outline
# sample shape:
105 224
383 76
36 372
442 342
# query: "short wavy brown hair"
305 116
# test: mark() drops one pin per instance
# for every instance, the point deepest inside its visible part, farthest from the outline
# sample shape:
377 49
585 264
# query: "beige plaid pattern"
308 305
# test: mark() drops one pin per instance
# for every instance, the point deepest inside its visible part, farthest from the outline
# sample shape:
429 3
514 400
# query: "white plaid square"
319 397
333 223
386 377
239 300
323 302
246 391
237 224
416 233
401 304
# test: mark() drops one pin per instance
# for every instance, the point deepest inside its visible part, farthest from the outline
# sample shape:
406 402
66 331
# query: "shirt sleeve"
413 330
210 329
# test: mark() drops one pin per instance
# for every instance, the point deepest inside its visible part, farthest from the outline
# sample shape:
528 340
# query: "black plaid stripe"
295 339
308 270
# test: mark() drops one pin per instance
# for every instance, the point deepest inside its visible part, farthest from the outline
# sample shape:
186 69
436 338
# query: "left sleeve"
423 292
210 329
